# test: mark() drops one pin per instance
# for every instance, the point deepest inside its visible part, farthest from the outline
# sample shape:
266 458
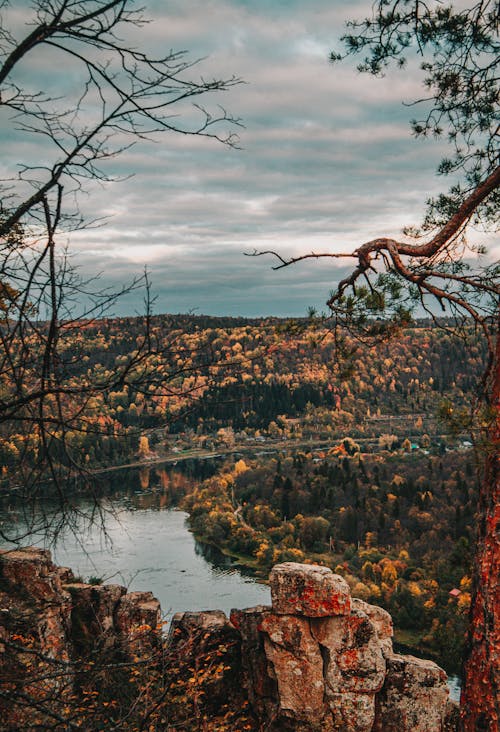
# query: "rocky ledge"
316 660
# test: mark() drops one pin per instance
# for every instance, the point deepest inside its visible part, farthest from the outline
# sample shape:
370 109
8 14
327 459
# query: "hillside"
371 471
209 383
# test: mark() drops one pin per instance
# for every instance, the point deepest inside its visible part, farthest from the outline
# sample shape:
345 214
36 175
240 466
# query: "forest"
363 463
212 383
365 438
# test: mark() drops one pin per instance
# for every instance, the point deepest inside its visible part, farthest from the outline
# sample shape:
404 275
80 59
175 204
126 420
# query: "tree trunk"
480 700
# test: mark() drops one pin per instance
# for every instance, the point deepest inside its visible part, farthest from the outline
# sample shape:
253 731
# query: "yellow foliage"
465 583
240 467
374 590
361 590
288 555
463 602
370 539
264 553
389 573
414 589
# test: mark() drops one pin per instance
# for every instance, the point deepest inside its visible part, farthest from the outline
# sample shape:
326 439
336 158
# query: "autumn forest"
354 457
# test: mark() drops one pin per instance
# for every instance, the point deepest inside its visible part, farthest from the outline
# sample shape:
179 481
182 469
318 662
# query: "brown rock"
204 654
32 570
352 654
452 717
208 620
297 664
32 593
382 621
308 590
260 685
138 621
352 712
414 697
319 667
137 609
66 575
92 614
35 614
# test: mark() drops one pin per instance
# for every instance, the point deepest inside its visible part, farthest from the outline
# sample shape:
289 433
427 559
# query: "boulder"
92 614
352 712
414 697
382 621
35 629
308 590
353 660
258 678
297 664
137 620
33 600
203 654
314 662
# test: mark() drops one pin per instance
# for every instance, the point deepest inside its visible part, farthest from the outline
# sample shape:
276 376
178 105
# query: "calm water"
153 550
147 545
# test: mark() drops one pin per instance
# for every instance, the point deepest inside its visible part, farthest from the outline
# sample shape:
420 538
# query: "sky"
326 162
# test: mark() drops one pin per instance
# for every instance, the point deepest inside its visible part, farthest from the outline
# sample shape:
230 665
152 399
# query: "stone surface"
452 717
325 666
137 609
353 660
93 614
259 681
209 620
414 697
34 601
308 590
137 620
36 616
204 654
382 621
297 665
352 712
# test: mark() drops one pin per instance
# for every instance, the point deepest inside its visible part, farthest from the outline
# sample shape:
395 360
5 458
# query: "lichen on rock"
316 661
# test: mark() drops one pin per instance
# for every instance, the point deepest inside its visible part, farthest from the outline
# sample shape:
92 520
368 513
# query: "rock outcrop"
325 662
316 660
58 636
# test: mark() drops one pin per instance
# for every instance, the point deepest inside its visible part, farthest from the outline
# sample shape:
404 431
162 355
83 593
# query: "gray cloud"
327 161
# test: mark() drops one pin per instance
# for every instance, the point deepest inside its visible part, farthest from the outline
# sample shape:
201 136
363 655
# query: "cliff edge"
316 660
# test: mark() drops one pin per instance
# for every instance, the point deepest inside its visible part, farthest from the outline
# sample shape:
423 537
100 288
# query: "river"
145 543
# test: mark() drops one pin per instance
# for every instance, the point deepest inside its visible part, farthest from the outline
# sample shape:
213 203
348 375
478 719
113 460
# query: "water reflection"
90 501
220 562
144 542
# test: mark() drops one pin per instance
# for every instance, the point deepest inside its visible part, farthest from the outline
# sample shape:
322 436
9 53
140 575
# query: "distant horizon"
418 320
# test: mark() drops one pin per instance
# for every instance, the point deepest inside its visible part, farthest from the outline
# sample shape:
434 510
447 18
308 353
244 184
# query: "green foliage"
93 580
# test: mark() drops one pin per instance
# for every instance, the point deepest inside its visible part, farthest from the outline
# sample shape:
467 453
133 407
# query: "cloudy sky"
326 162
